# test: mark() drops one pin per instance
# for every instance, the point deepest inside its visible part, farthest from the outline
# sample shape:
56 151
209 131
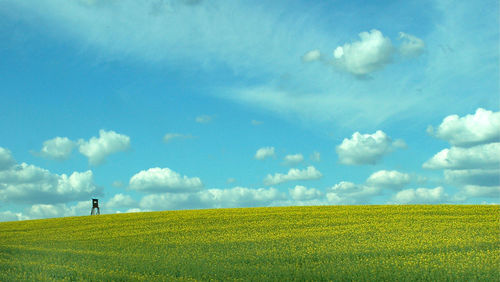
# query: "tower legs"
95 210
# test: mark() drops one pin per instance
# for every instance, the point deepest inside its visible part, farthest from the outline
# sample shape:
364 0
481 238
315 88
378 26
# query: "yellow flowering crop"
418 242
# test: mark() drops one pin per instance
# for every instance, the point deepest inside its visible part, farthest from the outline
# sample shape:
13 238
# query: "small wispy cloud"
172 136
315 156
265 152
310 173
256 122
204 119
292 160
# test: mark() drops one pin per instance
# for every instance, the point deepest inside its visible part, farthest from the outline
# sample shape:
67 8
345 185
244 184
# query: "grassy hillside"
289 243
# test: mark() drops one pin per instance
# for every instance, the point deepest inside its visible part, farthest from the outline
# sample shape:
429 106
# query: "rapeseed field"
395 243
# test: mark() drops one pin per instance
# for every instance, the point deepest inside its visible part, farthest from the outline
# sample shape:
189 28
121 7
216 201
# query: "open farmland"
286 243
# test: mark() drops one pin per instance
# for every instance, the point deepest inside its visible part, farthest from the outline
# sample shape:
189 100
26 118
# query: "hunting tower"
95 207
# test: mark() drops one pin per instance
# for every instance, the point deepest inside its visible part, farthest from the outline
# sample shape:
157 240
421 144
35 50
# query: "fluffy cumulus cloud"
473 162
310 173
366 148
388 179
6 159
59 148
172 136
58 210
371 53
264 152
48 211
348 193
108 142
421 196
160 180
302 193
481 127
412 46
293 159
38 211
121 201
30 184
213 198
481 156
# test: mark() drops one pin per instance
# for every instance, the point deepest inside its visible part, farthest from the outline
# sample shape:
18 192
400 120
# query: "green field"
286 243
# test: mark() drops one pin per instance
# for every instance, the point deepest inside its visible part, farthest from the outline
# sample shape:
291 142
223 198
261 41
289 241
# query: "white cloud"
479 128
264 152
480 156
59 148
174 38
81 208
171 201
292 160
6 159
204 119
388 179
121 201
47 211
348 193
477 191
235 34
133 210
421 196
473 161
12 216
481 177
362 57
310 173
158 180
412 46
366 148
59 210
109 142
315 157
213 198
171 136
329 104
311 56
30 184
302 193
240 196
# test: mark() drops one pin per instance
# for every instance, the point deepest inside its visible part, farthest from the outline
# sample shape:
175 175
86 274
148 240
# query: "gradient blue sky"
171 104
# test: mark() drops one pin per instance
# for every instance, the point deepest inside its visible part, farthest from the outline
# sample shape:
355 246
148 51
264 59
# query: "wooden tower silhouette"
95 207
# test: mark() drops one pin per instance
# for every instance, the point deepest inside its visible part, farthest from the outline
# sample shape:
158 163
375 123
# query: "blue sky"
161 105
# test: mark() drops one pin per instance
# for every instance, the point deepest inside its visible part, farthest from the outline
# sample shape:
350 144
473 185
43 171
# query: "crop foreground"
286 243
